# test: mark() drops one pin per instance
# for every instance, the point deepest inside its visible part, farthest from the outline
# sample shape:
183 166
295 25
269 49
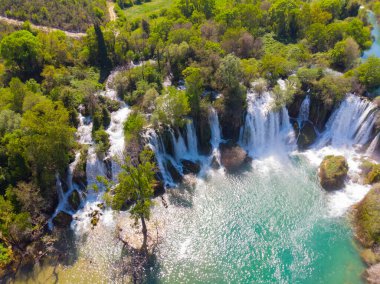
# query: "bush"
102 141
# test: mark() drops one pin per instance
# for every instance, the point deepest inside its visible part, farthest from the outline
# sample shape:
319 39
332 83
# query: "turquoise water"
268 225
375 33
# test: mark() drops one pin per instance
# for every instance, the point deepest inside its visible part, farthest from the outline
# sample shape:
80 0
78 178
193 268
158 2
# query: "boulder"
62 220
233 157
190 167
332 172
307 136
74 200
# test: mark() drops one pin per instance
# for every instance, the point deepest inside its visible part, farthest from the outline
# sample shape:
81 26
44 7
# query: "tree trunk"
145 235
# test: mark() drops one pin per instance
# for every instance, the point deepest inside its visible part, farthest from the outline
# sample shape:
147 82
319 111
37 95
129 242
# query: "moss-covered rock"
370 172
368 218
332 172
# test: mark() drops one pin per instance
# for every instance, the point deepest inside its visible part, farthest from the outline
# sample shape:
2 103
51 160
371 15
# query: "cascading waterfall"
179 146
303 115
116 133
192 140
351 124
154 141
372 147
216 138
265 130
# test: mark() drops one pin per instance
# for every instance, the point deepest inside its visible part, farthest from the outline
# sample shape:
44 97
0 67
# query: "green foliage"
133 126
22 52
194 88
345 54
368 218
171 108
368 73
6 255
48 139
102 141
332 89
73 15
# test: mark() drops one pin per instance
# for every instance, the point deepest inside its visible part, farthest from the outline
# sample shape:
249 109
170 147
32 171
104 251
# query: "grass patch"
147 9
155 6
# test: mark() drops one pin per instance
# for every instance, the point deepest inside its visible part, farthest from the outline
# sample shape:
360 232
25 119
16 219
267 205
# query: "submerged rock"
190 167
62 220
332 172
233 157
74 200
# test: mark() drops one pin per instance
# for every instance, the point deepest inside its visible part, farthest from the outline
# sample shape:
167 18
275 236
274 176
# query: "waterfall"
372 147
116 134
154 141
215 133
265 130
303 115
63 197
351 124
179 146
192 141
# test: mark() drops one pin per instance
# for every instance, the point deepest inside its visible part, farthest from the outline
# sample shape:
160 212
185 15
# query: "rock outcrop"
233 157
332 172
62 220
190 167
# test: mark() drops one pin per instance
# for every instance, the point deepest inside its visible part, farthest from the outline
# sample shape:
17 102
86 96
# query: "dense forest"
67 15
47 79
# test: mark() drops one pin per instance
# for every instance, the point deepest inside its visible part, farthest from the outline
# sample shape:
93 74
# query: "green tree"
194 89
135 184
171 108
22 52
345 54
368 73
48 139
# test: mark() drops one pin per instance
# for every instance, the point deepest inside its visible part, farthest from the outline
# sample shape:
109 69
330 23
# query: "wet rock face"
74 200
175 174
62 220
233 157
190 167
306 135
319 114
332 172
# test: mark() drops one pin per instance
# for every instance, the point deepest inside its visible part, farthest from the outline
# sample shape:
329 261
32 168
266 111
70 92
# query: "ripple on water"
263 226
